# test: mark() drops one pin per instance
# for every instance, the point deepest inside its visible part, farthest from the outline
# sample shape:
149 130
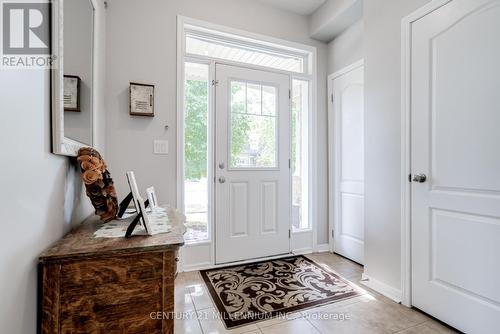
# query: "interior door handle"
222 179
420 178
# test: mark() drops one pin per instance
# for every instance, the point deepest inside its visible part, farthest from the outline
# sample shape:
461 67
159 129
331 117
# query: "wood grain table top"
80 242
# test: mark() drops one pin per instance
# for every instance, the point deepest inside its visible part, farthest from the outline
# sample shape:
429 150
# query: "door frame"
406 50
333 152
302 241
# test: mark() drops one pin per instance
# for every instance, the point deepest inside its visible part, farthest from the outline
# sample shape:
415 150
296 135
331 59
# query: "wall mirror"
72 76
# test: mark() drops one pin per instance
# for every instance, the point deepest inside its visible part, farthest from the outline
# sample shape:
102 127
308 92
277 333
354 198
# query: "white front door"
252 164
347 140
455 138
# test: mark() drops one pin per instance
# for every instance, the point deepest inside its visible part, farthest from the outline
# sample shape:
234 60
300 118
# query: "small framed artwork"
153 200
142 99
72 93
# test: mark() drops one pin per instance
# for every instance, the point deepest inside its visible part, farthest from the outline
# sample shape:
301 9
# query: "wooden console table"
106 285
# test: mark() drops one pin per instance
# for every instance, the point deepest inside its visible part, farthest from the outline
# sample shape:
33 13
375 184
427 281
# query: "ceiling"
302 7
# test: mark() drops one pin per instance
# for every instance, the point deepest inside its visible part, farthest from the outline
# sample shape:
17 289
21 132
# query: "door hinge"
215 82
331 98
289 163
409 177
289 233
333 234
289 93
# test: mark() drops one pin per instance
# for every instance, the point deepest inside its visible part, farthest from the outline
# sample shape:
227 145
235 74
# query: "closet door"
348 165
456 164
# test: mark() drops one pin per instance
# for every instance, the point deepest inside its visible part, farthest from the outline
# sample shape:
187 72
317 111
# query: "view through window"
253 125
196 196
300 159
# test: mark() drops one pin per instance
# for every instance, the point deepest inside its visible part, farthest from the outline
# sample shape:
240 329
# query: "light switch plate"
160 146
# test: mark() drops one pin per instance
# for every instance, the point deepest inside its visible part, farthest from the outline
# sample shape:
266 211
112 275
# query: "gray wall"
42 194
39 192
142 48
346 48
382 48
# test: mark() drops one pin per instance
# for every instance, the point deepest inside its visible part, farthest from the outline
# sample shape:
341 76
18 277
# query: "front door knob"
420 178
222 179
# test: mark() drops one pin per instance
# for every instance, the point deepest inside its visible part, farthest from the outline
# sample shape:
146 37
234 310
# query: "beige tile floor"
370 313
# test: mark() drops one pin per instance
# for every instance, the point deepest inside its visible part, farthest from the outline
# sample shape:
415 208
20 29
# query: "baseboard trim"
195 266
302 251
382 288
208 265
322 248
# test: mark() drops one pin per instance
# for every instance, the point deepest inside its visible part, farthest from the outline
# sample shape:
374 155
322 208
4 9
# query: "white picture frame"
153 200
132 183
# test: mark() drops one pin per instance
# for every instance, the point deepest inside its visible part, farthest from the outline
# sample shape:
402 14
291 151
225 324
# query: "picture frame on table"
134 189
138 201
145 217
141 99
153 200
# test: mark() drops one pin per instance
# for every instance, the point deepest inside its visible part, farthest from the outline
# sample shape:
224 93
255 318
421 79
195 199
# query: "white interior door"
348 165
253 196
455 139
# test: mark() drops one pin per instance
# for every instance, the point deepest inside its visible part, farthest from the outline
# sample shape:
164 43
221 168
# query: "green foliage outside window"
239 126
196 129
242 124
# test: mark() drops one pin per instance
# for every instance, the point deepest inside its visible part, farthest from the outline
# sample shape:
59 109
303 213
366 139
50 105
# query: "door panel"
269 205
238 208
253 198
455 117
348 97
352 217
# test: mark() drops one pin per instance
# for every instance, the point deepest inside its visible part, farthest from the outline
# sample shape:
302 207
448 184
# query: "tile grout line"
316 328
196 312
205 308
404 329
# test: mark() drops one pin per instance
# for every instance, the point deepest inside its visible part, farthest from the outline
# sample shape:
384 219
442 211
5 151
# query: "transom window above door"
253 131
235 49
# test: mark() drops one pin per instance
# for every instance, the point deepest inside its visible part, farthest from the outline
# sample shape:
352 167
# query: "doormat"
259 291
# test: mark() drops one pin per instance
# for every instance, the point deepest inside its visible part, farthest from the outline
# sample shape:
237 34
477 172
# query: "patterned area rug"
262 290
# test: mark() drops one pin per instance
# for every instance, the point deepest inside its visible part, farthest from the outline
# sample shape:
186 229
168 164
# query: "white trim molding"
381 287
320 248
406 28
302 251
346 69
208 265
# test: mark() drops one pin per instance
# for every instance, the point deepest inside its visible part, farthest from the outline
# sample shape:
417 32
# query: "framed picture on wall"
72 93
142 99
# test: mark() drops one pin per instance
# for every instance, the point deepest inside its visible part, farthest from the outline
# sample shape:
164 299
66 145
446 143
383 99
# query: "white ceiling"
302 7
